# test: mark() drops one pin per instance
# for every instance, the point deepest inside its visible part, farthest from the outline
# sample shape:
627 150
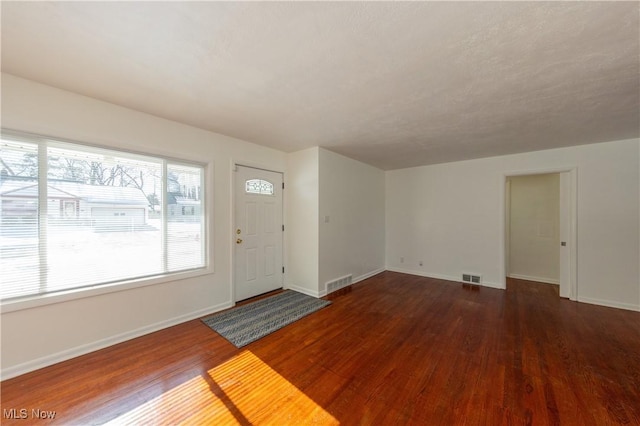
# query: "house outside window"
74 216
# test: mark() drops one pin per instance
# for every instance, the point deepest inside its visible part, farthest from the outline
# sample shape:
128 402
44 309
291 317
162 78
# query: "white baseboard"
319 294
306 291
368 275
610 303
493 285
26 367
423 274
600 302
440 277
537 279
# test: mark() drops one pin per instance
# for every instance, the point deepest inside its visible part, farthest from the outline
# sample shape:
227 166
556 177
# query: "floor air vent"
471 279
339 283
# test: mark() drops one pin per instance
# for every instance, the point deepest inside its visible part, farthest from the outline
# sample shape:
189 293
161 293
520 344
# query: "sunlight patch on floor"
243 390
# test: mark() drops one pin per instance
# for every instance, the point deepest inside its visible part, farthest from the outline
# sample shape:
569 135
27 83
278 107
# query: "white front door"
258 232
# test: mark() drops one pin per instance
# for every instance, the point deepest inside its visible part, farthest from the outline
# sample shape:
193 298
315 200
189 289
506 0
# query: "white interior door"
258 232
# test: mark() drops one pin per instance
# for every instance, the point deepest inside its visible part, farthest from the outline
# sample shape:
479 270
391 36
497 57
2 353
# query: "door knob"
239 240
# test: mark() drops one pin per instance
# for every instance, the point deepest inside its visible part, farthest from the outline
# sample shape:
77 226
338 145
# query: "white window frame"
42 299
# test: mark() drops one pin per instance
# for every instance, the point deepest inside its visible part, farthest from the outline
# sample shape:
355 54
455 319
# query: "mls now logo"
23 413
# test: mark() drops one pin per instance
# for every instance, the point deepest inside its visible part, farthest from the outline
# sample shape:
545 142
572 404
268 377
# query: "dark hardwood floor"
397 349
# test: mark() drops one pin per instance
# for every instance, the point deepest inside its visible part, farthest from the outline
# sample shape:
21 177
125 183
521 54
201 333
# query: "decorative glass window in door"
258 186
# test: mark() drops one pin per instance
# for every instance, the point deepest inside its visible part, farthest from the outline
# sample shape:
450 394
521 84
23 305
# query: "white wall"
321 183
534 228
450 217
302 199
351 218
39 336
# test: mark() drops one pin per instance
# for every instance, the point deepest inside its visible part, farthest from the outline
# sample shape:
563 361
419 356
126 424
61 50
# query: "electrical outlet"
420 263
402 260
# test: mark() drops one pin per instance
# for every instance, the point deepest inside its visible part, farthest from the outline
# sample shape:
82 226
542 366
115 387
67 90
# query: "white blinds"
185 219
75 216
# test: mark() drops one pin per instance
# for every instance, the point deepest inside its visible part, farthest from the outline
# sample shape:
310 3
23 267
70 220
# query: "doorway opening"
540 228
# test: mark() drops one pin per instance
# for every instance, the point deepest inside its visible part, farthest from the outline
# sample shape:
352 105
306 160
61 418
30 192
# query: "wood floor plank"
394 349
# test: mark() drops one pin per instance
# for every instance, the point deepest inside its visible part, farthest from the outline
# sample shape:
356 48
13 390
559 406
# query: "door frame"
571 192
232 220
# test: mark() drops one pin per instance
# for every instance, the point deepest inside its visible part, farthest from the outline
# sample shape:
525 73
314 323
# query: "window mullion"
202 198
164 217
43 221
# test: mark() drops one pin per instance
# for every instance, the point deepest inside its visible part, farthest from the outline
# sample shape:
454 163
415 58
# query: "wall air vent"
468 278
339 283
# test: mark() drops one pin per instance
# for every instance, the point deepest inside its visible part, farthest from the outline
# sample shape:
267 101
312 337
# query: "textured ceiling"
390 84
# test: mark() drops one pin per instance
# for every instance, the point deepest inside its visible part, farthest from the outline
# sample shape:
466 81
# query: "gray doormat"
248 323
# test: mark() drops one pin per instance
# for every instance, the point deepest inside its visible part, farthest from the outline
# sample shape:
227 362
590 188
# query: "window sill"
97 290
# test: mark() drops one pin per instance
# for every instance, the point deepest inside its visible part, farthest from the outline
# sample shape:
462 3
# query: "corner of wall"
301 206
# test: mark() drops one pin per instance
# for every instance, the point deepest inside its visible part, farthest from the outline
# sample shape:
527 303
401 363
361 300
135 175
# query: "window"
73 216
69 209
259 186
